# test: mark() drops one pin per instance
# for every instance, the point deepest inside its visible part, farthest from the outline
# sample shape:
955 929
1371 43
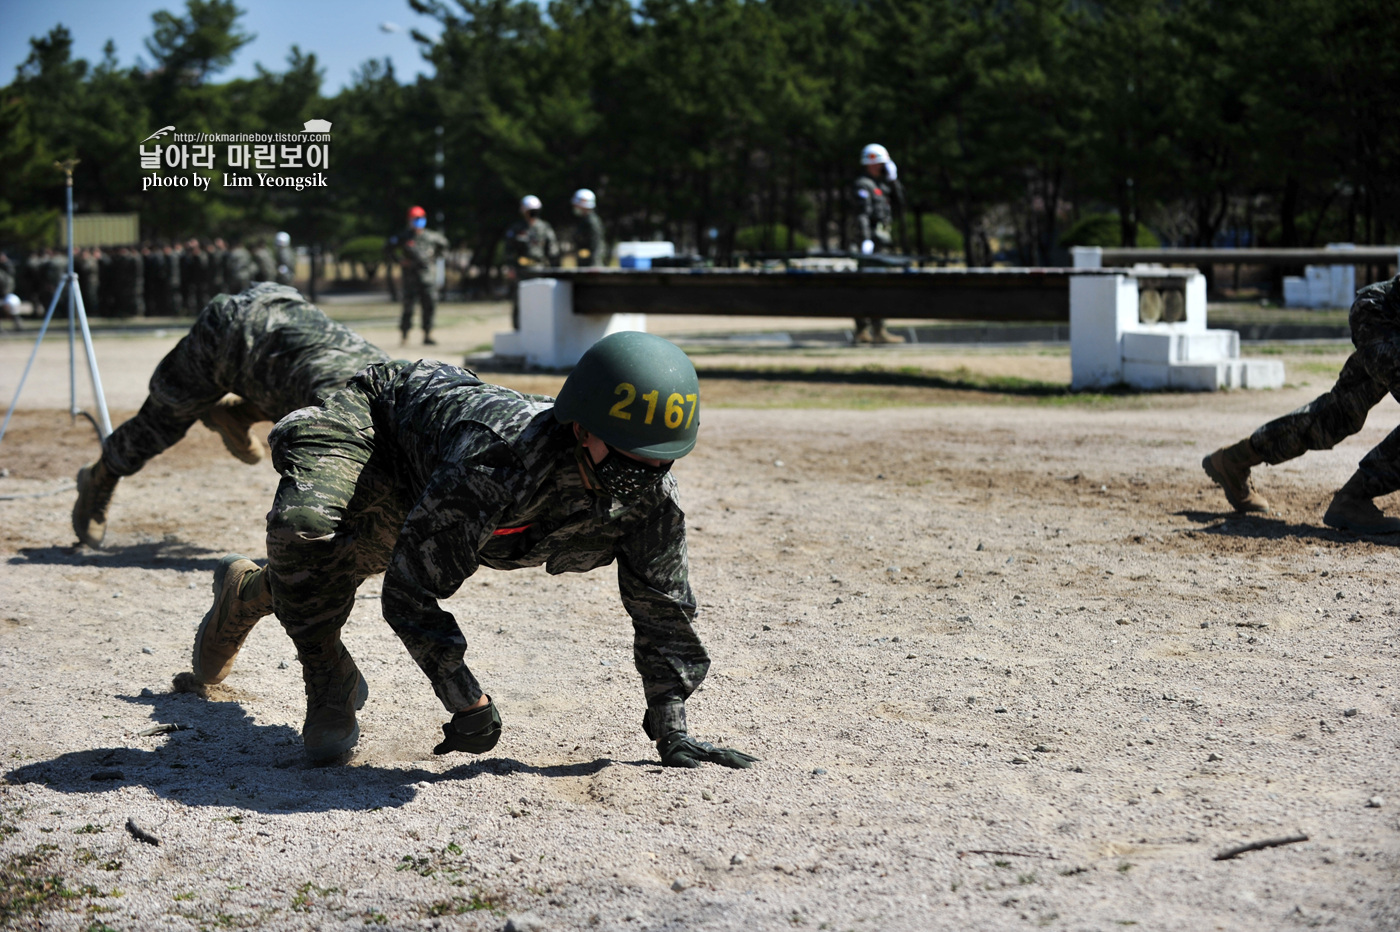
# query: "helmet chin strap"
586 467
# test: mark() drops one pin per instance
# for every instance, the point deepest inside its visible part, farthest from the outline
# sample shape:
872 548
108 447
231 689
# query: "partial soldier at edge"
1369 374
267 349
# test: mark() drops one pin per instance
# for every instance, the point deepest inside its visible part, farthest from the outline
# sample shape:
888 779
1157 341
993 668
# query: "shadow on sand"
168 554
1264 527
221 757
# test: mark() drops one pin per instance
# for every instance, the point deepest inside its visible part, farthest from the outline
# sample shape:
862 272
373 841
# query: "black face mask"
622 477
626 479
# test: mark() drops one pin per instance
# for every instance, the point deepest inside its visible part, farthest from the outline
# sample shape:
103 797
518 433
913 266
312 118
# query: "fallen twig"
1238 850
1009 854
140 834
162 729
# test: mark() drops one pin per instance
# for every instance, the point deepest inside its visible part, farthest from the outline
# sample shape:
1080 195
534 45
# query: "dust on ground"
1007 660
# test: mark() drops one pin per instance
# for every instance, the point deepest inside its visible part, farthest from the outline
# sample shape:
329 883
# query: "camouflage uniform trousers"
202 369
334 522
418 285
1369 374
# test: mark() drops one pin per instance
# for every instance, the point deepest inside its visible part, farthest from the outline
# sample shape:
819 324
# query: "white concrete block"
1173 346
1201 376
1195 303
551 335
508 345
1295 291
1148 376
1101 309
1261 373
1210 376
1341 279
1087 257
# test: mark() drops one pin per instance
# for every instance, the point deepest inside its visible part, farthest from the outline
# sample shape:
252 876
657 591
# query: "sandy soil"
1007 662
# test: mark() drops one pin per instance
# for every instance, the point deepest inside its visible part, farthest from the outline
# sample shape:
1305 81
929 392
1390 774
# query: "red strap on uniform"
502 531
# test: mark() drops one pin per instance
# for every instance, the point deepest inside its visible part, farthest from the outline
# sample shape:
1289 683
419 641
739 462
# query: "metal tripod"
77 316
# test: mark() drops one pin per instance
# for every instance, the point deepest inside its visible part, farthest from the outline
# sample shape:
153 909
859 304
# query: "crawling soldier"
425 473
266 345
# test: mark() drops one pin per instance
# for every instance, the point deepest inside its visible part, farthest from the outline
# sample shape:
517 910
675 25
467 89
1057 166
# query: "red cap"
417 212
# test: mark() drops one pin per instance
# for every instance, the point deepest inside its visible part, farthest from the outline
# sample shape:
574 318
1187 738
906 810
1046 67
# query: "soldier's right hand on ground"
475 731
679 749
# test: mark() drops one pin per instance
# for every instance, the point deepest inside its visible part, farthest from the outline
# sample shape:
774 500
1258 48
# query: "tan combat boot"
879 334
335 690
1229 468
1353 509
230 419
241 599
862 331
95 487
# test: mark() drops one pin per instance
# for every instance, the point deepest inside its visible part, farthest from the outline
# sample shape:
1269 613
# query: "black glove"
679 749
475 731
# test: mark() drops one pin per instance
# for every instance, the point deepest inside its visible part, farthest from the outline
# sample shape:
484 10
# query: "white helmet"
874 154
12 302
585 198
283 239
530 202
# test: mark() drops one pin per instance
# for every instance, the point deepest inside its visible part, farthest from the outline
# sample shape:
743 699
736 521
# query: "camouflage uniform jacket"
493 481
1375 314
589 240
238 270
264 265
532 244
269 345
418 249
874 213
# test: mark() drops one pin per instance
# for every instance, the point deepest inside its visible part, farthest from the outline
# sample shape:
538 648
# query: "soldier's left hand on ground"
679 749
475 731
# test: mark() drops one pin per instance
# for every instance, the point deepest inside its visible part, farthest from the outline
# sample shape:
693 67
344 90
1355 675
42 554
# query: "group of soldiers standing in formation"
153 279
168 280
530 241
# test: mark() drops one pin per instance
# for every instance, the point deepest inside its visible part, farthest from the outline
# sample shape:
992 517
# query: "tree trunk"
1288 213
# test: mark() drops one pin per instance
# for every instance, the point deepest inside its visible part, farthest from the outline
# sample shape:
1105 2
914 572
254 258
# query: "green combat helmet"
636 392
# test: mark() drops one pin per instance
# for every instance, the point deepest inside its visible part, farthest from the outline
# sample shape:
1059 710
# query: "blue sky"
342 33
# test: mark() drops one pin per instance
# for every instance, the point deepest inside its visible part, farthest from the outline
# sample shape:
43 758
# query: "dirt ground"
1006 658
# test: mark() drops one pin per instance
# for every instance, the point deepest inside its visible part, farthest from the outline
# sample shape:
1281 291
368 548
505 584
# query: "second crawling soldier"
590 242
267 345
425 473
876 190
418 249
1369 374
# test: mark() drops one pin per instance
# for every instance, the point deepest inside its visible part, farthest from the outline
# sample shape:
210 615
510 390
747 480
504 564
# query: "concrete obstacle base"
1120 334
1143 327
551 335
